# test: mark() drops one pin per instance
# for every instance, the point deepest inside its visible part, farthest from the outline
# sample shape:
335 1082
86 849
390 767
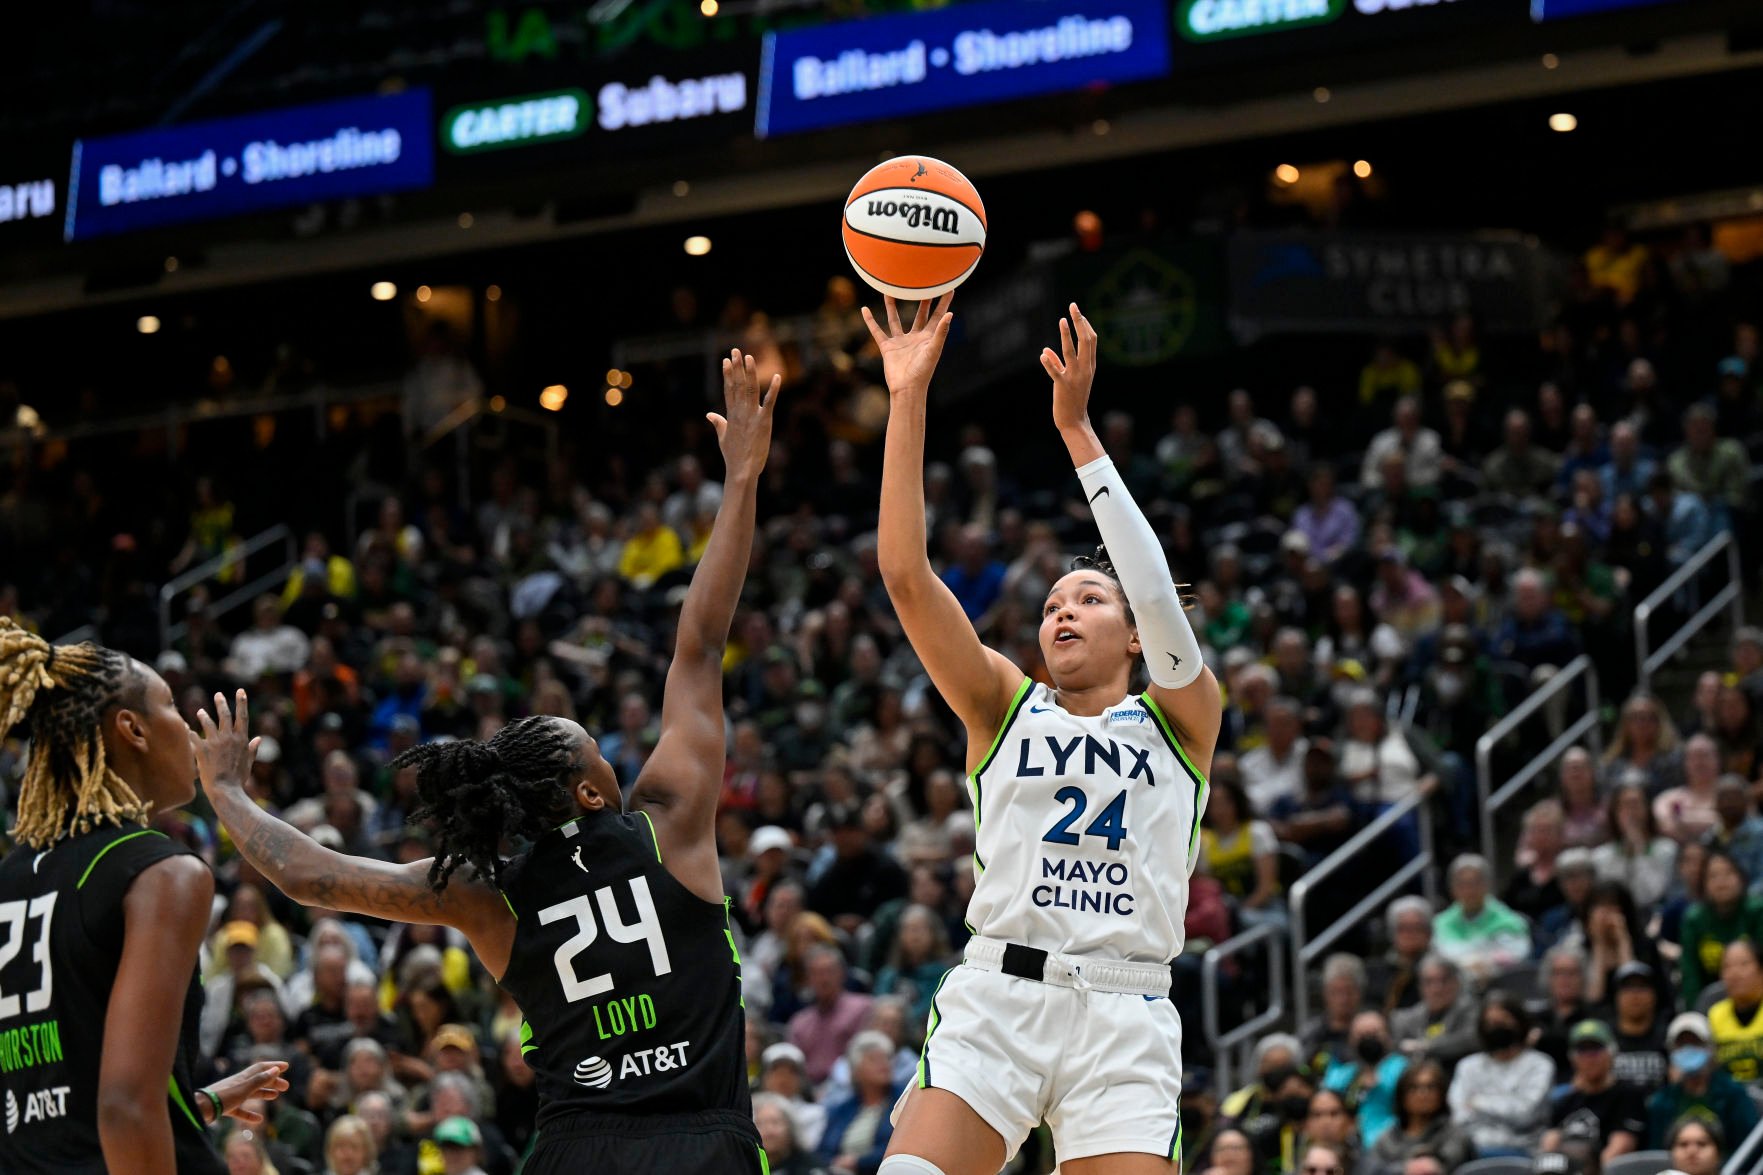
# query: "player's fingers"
777 385
921 315
718 423
875 331
222 712
242 716
1050 361
248 1117
751 383
893 313
942 332
945 302
1067 349
205 722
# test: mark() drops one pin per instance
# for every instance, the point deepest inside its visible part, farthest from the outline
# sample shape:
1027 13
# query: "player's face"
160 734
1085 637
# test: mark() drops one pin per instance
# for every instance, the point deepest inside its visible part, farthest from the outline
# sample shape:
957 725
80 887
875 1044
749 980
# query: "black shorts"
715 1142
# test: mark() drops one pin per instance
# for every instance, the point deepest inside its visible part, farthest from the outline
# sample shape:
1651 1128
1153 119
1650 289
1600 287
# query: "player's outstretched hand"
910 356
745 433
1073 370
265 1080
224 749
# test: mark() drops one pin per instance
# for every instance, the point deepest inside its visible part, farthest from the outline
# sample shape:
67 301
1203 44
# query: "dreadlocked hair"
59 696
476 794
1100 562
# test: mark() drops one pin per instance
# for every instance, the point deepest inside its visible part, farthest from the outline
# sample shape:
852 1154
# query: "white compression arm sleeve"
1172 654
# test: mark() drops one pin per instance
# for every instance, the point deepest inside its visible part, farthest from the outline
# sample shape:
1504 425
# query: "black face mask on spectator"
1371 1049
1497 1037
1294 1108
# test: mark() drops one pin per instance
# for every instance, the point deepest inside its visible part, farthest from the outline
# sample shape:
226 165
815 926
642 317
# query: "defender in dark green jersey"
101 920
611 929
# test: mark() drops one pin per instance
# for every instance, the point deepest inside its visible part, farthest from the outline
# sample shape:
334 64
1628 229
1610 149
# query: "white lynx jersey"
1086 830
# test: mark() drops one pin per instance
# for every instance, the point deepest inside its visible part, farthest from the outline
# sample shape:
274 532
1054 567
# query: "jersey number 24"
647 928
1110 824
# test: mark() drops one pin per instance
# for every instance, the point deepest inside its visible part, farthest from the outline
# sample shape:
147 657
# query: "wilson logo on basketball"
941 220
595 1073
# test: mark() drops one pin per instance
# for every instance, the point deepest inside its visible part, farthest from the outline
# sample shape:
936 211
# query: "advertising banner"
1372 283
203 170
893 66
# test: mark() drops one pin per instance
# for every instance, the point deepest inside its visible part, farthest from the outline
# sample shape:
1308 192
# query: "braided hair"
475 795
60 696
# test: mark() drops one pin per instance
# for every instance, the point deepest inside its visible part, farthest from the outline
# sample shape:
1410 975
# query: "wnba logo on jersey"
594 1073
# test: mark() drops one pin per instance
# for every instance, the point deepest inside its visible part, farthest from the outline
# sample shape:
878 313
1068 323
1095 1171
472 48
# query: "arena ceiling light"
1563 122
1286 173
553 398
697 246
147 324
1362 169
383 291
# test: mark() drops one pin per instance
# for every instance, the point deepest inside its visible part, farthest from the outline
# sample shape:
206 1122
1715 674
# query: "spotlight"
697 246
1563 122
614 397
423 293
1286 173
1362 169
147 324
553 397
383 291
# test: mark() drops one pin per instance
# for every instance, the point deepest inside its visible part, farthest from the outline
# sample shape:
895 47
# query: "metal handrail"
1732 594
459 422
1223 1043
1305 949
1745 1159
280 533
1586 726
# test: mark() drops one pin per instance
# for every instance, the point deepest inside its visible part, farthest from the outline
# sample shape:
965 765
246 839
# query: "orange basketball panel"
936 177
910 266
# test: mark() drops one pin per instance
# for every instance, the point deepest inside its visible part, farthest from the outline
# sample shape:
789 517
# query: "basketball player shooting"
1087 801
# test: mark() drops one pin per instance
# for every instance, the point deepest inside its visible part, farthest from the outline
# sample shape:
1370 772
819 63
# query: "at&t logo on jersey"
596 1073
38 1107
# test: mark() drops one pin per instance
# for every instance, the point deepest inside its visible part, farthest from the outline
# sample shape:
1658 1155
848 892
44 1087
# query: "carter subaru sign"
914 63
329 150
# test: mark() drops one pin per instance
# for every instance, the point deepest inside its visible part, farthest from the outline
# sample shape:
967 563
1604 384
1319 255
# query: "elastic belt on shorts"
1074 971
582 1123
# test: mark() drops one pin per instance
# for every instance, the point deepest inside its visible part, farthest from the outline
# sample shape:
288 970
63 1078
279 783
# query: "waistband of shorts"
592 1122
1081 972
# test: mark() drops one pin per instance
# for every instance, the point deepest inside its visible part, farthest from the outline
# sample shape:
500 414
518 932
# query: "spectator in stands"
1737 1019
1638 1022
1737 831
1534 889
1402 597
918 961
1646 742
1536 633
1614 1111
1747 662
1583 821
1726 913
1616 933
349 1148
1477 932
1697 1147
652 551
1634 854
784 1150
1275 1055
1687 812
1735 732
1275 770
1500 1095
1629 470
783 1074
1698 1086
1327 521
1407 437
1712 467
1329 1141
243 974
1231 1153
1242 853
1395 978
1517 467
1327 1040
824 1029
858 1128
1689 522
1562 1008
268 646
974 576
1442 1026
1423 1125
1322 815
1367 1078
860 877
1577 875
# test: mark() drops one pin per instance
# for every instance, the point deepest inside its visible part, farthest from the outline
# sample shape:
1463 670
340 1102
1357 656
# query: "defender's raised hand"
1073 370
910 356
745 433
224 749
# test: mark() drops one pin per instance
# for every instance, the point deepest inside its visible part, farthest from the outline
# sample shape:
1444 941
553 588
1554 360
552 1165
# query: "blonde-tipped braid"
61 695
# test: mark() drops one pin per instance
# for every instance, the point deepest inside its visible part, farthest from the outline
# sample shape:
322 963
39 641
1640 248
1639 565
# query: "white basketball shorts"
1101 1068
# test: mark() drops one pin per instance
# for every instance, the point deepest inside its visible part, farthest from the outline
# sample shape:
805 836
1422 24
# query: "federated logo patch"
1127 715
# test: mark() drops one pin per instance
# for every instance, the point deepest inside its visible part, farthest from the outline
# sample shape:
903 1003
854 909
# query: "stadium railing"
1648 660
1586 727
1748 1158
1307 948
1241 1037
202 572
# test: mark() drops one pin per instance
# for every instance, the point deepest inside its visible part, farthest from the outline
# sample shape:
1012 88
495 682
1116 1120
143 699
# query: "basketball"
914 227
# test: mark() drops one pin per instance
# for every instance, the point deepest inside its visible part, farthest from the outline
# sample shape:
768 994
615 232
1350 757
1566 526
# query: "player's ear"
130 727
587 796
